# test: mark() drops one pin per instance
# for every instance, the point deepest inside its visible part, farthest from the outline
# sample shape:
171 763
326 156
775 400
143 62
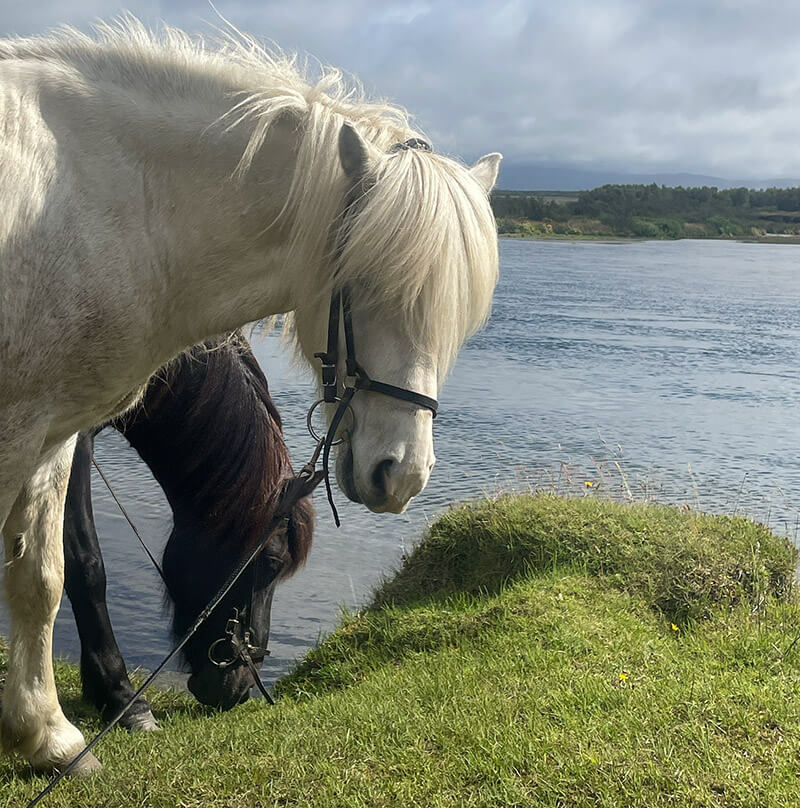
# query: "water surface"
663 369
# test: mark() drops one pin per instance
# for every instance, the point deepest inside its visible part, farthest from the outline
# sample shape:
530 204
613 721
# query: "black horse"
211 435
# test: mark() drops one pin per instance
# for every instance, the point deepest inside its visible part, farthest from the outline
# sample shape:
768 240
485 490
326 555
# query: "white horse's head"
417 252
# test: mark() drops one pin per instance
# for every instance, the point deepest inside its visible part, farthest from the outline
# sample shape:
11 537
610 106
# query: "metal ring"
310 426
222 663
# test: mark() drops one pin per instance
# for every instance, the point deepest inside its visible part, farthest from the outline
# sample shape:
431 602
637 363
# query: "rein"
297 487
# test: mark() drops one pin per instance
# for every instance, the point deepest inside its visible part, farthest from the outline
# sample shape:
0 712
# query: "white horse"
155 190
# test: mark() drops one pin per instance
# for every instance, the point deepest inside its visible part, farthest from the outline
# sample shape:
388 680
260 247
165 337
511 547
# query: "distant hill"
556 177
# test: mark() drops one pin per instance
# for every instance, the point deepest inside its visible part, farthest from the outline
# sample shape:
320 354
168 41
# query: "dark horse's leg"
103 672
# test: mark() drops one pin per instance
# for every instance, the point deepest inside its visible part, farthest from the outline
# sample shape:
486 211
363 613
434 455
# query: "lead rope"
129 520
299 486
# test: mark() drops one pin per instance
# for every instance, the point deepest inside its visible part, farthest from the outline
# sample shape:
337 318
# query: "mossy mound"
684 564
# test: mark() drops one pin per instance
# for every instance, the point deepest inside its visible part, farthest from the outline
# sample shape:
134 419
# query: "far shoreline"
620 239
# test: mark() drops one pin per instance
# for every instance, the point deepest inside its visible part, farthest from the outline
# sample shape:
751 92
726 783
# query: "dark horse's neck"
211 435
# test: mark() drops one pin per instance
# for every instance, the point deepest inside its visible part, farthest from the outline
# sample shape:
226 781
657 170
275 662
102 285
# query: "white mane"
424 240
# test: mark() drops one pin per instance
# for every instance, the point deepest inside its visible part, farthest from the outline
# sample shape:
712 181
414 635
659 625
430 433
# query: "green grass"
531 651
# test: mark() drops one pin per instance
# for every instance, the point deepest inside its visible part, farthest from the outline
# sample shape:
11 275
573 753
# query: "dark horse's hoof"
139 720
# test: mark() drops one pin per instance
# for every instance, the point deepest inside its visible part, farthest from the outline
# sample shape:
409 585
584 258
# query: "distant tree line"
517 205
660 200
657 210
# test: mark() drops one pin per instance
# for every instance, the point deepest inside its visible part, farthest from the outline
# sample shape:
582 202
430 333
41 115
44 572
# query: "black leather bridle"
235 645
340 310
362 381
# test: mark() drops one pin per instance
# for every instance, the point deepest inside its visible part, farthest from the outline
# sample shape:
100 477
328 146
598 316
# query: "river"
660 370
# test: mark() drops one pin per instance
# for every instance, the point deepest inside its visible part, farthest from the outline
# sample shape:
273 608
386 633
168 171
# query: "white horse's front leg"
33 723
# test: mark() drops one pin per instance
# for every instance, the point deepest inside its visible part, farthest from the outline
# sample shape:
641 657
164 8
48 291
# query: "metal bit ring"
310 426
222 663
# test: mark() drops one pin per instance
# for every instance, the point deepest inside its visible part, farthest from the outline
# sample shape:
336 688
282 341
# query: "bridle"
341 308
361 380
237 641
235 645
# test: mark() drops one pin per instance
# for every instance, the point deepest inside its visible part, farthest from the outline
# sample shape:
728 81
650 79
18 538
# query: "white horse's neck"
217 244
172 246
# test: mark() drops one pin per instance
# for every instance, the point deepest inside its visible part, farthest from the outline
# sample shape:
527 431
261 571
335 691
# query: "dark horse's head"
211 434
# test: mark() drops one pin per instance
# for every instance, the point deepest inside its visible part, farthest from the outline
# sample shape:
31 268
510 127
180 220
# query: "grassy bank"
531 651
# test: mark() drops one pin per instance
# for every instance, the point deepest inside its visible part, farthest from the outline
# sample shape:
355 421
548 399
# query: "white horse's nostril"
396 483
382 477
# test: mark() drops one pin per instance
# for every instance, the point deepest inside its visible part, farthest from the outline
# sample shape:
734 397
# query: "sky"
702 86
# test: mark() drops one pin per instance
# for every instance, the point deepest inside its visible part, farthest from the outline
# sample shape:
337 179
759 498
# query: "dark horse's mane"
226 455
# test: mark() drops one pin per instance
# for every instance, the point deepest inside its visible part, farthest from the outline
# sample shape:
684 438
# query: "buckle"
232 624
328 376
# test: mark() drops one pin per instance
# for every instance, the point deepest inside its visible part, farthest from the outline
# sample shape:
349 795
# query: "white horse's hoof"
87 765
142 722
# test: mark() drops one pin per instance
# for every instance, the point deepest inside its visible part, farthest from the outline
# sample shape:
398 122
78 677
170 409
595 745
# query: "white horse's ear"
352 152
486 169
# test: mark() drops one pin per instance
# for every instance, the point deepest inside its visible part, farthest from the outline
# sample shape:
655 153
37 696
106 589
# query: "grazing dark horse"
211 435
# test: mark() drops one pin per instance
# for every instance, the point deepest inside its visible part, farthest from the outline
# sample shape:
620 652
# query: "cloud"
710 86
